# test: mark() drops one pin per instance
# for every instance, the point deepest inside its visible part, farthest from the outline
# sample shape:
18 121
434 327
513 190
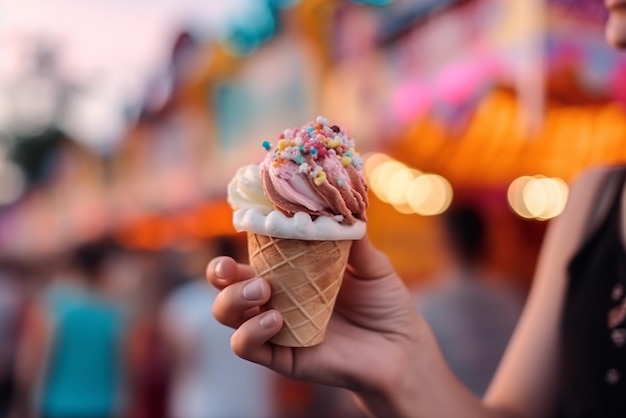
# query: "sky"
99 34
111 45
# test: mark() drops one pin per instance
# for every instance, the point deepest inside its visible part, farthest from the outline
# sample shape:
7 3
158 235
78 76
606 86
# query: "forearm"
424 387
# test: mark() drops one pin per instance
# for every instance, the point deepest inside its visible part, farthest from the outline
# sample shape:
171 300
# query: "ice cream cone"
305 277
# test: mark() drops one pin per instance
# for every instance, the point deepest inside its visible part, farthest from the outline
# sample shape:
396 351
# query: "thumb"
367 262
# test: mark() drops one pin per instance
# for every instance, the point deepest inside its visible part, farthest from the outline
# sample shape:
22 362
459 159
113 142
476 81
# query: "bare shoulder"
591 178
590 197
586 200
526 384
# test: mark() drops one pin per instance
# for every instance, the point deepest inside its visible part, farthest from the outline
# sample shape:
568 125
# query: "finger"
368 262
222 271
237 302
250 341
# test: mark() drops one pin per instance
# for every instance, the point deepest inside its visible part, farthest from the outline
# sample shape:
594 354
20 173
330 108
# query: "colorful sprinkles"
312 142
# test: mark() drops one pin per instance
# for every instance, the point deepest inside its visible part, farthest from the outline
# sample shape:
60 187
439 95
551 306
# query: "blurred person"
566 357
209 381
12 306
470 313
149 357
70 360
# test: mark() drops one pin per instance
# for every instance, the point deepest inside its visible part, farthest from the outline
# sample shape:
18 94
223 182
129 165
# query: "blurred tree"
35 154
38 101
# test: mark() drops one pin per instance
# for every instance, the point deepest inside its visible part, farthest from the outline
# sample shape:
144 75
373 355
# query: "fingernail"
269 320
253 290
219 270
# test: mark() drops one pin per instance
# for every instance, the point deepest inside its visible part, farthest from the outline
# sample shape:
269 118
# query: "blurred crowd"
103 331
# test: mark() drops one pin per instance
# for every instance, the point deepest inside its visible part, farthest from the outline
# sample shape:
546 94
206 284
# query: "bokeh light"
379 180
406 189
537 197
371 161
398 184
437 197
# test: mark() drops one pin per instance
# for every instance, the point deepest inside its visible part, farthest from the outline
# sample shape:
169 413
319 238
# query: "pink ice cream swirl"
315 169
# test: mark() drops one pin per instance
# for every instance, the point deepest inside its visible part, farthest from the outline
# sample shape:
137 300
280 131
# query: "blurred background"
121 123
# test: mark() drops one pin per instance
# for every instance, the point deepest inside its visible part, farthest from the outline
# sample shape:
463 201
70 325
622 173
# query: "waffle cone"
305 277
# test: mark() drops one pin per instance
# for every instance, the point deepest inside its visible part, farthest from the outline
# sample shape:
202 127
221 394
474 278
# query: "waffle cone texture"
305 277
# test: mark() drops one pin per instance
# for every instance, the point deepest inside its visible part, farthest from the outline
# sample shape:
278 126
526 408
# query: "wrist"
419 383
396 392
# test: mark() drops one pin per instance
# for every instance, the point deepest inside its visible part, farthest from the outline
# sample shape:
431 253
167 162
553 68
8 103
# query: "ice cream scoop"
315 169
310 185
